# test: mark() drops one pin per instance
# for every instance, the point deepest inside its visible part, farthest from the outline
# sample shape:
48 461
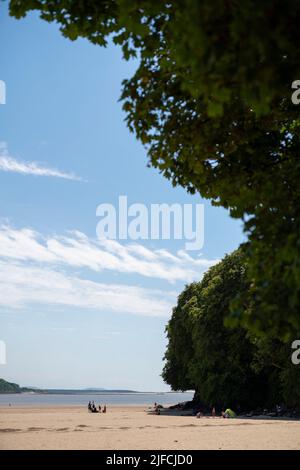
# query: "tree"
205 355
273 358
221 365
180 351
211 102
227 366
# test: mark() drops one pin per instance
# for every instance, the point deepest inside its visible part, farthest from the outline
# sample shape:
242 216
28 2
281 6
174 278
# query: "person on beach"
92 408
213 412
99 408
104 409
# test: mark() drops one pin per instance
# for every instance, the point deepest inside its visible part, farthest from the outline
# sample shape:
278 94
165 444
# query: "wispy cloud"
22 286
77 250
35 269
11 164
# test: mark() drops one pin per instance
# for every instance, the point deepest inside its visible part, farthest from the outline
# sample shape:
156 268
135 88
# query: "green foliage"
226 366
220 368
273 358
211 102
180 348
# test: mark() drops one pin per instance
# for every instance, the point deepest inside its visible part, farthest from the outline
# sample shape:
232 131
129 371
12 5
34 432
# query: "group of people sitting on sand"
92 408
228 413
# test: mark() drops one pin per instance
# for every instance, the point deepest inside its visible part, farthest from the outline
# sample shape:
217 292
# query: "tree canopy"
226 366
211 101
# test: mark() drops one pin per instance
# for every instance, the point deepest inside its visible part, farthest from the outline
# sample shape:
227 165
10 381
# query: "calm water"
31 399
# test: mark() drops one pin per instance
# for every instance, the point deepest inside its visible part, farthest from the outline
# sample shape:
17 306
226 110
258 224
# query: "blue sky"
75 312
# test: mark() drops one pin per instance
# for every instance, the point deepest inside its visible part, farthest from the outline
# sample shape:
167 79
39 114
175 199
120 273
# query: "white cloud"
35 269
78 251
10 164
22 286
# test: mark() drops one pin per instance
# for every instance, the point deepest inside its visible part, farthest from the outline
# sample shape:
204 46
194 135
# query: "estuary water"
112 398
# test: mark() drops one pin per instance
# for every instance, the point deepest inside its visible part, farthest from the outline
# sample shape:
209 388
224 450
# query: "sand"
132 428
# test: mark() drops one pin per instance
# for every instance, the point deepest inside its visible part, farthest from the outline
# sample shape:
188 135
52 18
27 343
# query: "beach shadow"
10 430
268 418
189 413
34 429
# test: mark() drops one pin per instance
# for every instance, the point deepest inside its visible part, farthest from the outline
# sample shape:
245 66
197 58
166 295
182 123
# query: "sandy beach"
132 428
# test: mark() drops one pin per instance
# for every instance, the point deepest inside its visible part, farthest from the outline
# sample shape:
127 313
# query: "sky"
77 311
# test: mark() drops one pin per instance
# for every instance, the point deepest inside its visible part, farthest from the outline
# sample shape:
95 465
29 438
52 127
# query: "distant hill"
9 387
93 389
